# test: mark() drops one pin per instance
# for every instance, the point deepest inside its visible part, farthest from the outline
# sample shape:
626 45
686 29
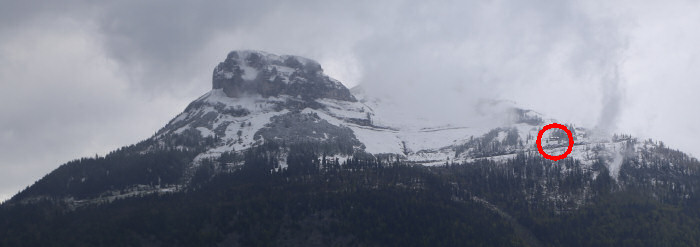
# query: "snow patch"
205 132
249 73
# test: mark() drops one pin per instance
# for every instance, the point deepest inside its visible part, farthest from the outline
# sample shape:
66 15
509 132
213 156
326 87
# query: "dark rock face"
270 75
309 129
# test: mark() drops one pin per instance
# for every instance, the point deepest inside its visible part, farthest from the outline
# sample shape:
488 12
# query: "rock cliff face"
251 72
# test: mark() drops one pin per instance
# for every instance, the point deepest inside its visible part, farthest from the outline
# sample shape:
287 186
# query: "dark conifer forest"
362 201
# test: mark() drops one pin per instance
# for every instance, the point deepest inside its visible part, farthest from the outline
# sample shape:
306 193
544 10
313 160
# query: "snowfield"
411 140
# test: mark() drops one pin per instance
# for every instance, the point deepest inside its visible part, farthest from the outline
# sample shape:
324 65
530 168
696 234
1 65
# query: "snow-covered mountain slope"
252 98
259 98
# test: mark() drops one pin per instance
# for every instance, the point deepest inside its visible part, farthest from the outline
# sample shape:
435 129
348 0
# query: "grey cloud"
156 41
489 49
60 99
161 43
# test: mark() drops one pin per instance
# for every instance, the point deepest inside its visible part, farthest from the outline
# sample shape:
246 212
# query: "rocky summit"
256 72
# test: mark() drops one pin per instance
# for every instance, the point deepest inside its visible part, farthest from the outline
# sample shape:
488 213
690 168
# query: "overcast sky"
79 78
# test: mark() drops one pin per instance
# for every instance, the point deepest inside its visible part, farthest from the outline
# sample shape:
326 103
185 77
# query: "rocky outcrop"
256 72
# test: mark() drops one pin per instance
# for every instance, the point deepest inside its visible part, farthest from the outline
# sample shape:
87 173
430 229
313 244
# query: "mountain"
278 153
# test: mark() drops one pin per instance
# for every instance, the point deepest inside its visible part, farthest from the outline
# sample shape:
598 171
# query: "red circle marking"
555 126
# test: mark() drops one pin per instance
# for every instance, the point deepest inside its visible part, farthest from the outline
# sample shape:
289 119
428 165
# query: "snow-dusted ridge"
259 98
236 118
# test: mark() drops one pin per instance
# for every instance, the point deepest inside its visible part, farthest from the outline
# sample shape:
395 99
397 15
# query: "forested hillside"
366 201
